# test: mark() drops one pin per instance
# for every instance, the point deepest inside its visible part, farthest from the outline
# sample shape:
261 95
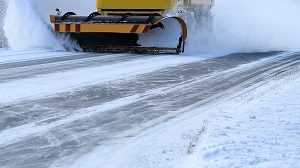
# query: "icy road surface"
55 106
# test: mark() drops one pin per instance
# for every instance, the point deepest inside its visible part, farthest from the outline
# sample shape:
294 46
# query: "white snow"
16 134
24 28
250 26
166 37
50 84
258 127
10 56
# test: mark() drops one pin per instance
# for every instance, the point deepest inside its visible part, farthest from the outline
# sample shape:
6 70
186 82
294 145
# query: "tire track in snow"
189 91
30 111
11 53
45 85
10 57
31 69
85 129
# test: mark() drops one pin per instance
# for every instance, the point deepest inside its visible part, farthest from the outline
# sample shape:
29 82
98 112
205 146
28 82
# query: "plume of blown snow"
250 26
25 29
3 6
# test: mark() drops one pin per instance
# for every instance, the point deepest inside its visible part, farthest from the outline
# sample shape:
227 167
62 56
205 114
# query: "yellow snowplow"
130 26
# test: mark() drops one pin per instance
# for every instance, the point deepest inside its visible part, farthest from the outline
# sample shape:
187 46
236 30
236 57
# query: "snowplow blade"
119 33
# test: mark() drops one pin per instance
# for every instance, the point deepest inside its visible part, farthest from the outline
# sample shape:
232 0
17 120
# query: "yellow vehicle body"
134 6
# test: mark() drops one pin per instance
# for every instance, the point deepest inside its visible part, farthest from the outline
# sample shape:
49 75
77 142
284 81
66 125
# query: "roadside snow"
260 132
256 128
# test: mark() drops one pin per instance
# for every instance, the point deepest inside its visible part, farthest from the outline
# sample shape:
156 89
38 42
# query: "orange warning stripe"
134 29
115 28
102 28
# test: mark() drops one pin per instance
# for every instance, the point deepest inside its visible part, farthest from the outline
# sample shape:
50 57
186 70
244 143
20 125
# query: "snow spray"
25 28
249 26
3 41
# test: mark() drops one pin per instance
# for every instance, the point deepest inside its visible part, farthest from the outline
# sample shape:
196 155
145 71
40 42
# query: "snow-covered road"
57 106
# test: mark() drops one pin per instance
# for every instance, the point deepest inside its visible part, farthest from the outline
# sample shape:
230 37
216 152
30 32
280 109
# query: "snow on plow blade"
123 33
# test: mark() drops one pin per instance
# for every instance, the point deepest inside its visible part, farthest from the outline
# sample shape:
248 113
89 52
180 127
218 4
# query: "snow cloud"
251 26
25 29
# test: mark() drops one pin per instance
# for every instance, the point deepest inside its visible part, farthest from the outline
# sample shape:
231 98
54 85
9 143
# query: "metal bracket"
92 15
66 15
